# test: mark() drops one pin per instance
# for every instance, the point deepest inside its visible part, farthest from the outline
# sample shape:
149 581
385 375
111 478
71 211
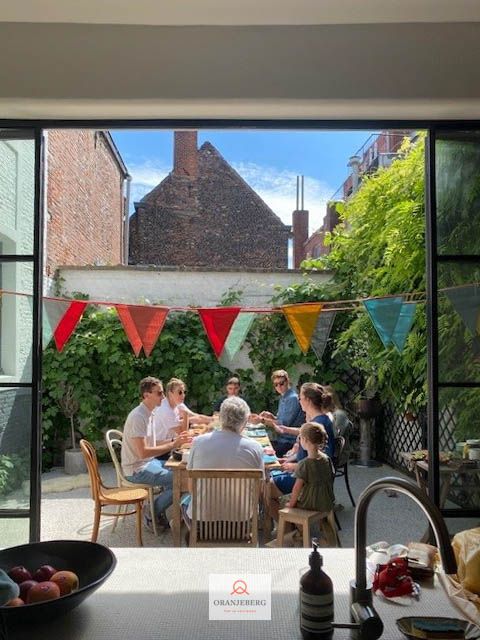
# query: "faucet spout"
361 594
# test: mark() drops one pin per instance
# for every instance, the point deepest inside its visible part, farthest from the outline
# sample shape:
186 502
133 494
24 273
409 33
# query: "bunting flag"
302 319
322 332
404 324
384 314
66 326
217 323
53 312
142 325
237 335
466 302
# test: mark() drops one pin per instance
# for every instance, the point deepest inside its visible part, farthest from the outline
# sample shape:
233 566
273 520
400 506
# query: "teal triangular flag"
466 301
238 333
404 324
384 314
322 332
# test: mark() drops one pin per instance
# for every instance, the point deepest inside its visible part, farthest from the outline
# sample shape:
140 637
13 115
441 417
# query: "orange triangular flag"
302 319
217 323
142 325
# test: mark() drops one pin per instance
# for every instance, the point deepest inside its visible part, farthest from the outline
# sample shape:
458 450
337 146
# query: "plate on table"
428 627
256 433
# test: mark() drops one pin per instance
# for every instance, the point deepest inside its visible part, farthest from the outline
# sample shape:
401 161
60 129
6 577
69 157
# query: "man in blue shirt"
289 412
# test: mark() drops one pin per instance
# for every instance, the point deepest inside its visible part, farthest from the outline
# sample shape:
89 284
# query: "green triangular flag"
322 332
404 324
237 335
466 301
384 314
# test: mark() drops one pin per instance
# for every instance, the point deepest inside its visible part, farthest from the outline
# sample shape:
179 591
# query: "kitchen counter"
162 593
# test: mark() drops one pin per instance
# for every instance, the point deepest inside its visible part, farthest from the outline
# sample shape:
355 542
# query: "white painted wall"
178 288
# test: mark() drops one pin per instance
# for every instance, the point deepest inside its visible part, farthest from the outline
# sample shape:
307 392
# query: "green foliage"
379 249
14 469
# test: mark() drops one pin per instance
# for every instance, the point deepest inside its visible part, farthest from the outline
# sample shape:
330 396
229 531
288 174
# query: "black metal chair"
340 463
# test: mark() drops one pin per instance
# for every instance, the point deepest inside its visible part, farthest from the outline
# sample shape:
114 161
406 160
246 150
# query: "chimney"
185 160
299 227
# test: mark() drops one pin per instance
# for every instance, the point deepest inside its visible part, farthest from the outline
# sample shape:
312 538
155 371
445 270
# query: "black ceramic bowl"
92 562
177 454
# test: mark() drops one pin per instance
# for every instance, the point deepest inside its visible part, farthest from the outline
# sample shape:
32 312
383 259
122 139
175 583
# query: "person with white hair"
226 448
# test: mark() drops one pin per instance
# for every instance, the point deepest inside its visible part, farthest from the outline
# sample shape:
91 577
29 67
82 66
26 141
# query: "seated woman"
232 388
316 403
225 449
169 419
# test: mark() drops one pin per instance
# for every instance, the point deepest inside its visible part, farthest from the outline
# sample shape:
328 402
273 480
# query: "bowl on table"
93 563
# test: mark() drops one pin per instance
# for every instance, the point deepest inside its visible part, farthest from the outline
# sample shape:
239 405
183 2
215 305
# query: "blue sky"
268 160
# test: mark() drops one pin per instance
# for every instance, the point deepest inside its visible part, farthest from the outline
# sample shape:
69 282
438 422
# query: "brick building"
378 152
85 200
204 214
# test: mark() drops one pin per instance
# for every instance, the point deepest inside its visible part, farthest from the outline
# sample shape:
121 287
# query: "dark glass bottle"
316 601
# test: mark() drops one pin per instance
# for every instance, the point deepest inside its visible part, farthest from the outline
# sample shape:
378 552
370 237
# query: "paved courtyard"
69 513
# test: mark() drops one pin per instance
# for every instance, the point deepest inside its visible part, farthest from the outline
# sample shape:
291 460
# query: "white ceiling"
239 12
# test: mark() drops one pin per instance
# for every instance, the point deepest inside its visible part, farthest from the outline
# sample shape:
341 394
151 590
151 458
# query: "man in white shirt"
138 455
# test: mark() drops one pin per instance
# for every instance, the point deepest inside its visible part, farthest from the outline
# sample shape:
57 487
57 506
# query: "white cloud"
145 176
278 189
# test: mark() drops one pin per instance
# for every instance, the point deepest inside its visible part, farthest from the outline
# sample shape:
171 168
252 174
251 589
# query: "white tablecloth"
157 594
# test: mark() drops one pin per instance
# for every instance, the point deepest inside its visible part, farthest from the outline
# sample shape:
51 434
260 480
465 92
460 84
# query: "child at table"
313 488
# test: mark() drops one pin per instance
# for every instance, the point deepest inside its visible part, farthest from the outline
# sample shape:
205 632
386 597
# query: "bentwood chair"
225 507
340 463
114 440
111 497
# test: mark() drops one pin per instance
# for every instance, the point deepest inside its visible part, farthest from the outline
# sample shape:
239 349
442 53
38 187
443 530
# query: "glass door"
20 285
454 331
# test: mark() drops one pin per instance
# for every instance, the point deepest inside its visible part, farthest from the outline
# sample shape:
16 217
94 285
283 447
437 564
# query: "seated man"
138 455
225 449
289 414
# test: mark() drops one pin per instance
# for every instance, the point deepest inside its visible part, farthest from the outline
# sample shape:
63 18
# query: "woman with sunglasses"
289 414
171 417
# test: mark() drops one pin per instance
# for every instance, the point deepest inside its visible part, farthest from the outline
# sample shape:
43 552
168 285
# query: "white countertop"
157 594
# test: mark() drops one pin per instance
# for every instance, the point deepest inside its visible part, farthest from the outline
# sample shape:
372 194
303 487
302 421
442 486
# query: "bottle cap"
315 559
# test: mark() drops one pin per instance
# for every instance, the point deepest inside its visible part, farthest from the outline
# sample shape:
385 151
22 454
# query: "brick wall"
216 220
84 201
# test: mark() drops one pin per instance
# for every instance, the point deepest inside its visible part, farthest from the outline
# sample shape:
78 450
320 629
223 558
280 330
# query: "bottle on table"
316 600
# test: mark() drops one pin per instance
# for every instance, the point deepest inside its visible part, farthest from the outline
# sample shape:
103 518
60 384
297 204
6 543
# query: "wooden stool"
306 519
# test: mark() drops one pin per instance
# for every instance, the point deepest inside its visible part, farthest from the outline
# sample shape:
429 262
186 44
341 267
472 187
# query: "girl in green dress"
313 488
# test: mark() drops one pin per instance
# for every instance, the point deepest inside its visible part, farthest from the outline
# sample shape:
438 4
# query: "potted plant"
73 457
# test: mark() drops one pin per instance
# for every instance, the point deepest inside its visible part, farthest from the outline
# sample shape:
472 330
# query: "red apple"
25 587
43 591
44 573
15 602
66 580
19 574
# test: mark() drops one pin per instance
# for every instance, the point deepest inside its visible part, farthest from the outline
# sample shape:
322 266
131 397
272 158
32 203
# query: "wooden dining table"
180 485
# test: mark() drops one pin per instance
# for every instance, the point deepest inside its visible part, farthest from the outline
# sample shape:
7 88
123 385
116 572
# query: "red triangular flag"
142 325
217 323
67 324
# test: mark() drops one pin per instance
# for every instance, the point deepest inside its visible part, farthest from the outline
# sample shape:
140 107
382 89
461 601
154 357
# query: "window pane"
459 409
17 180
15 426
458 327
16 322
13 532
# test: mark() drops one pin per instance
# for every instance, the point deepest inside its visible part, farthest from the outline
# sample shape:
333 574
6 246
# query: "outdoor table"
155 594
180 485
420 468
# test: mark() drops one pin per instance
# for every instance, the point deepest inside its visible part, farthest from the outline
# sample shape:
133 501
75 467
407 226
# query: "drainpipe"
126 220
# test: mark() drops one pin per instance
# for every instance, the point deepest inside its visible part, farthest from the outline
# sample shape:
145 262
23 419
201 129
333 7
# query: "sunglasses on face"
280 383
158 392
